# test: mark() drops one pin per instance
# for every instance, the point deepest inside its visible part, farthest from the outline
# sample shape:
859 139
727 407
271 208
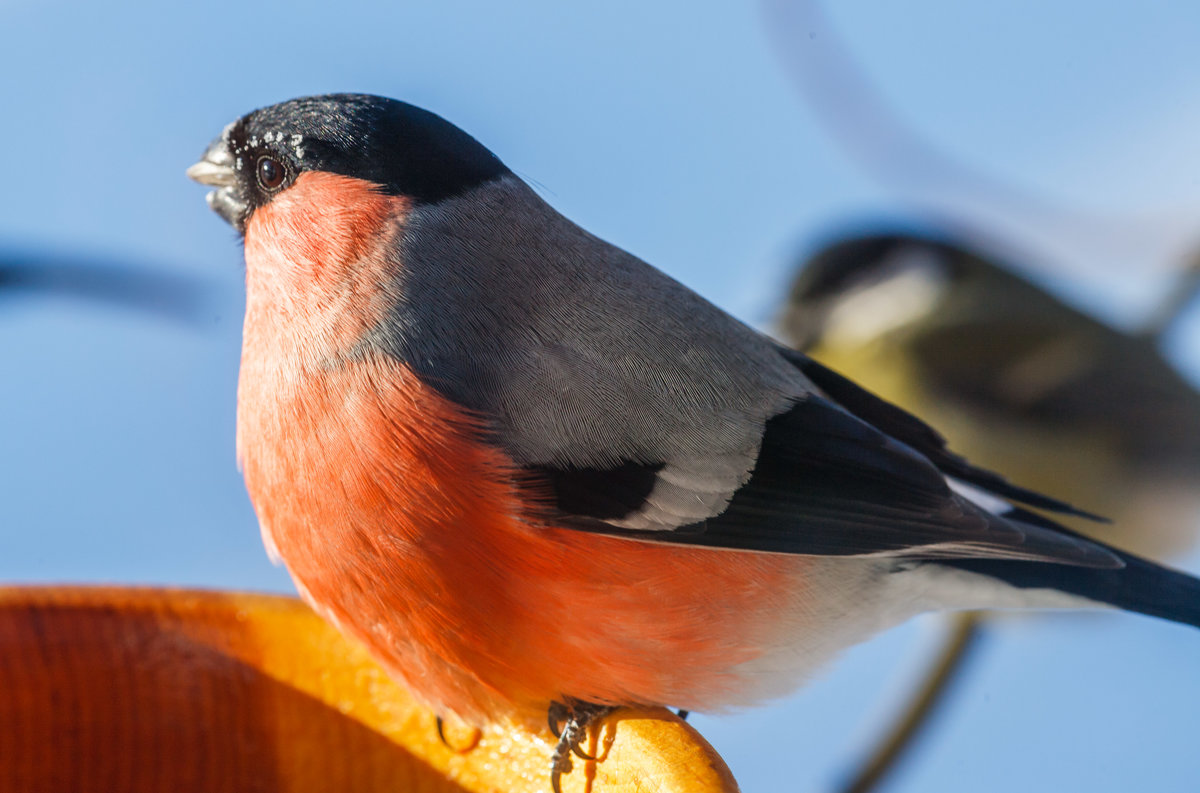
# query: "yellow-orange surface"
115 689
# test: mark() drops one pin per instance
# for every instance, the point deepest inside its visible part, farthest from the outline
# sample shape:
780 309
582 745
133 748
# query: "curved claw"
441 732
556 715
575 717
556 776
582 755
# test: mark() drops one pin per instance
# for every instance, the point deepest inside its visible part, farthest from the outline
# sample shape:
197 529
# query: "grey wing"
636 408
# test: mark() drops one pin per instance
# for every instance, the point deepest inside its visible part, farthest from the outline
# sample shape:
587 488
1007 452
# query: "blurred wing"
1067 372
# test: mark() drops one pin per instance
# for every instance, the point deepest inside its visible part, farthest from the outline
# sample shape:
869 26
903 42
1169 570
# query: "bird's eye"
270 173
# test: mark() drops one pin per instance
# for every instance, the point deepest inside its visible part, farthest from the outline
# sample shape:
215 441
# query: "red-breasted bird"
530 472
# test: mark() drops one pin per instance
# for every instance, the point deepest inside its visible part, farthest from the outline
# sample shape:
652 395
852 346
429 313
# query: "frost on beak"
216 169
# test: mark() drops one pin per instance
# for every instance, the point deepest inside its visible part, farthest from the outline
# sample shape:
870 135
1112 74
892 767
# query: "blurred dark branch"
1177 300
180 298
946 668
860 119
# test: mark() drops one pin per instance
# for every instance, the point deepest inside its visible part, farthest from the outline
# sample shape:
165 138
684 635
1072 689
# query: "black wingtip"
910 430
1062 544
1139 585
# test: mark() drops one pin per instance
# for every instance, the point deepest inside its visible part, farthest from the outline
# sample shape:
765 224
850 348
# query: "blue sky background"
674 129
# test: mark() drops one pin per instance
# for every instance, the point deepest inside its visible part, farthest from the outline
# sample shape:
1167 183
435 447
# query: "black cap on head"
839 266
404 149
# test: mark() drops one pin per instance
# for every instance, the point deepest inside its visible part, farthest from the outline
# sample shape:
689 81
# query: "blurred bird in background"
1018 380
1014 377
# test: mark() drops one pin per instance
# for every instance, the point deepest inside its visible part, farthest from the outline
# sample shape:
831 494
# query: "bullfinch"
533 474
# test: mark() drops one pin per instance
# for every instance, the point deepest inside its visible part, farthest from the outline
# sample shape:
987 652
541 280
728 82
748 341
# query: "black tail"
1141 585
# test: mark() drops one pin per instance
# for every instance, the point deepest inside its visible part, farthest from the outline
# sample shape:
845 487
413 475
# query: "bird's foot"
569 723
